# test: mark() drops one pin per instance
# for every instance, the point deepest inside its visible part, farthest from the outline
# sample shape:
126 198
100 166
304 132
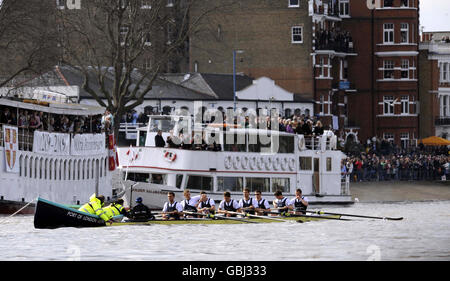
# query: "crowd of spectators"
384 161
37 120
337 40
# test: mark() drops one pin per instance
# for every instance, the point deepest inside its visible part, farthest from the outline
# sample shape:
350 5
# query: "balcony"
442 121
337 41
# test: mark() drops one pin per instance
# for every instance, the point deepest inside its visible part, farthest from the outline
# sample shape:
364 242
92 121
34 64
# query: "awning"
434 141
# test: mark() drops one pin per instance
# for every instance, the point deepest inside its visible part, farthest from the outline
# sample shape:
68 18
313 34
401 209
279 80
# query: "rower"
189 204
206 205
247 204
300 203
172 209
283 204
262 205
228 205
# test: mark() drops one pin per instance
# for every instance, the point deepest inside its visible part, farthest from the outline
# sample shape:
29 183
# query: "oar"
259 217
228 218
305 216
356 216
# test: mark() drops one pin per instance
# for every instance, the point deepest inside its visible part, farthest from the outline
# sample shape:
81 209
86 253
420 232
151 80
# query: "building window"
321 67
388 3
305 163
404 3
199 183
445 70
388 33
405 69
322 105
405 104
329 164
170 3
388 105
389 137
294 3
146 4
404 140
344 9
388 69
404 32
59 4
147 39
444 106
297 34
147 65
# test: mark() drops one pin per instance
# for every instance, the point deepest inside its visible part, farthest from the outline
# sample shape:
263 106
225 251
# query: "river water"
423 234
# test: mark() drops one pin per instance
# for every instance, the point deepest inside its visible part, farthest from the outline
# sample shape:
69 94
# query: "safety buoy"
268 163
260 163
237 162
170 156
284 164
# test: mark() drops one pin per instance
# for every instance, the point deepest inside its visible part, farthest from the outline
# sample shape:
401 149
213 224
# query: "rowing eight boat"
53 215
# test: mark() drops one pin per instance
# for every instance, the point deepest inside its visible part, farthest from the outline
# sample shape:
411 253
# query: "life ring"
284 164
301 142
252 163
268 163
228 162
333 142
260 163
276 164
170 156
292 164
237 162
244 162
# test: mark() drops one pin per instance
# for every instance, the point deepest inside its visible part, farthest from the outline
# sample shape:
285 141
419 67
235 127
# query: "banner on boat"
51 143
87 144
11 136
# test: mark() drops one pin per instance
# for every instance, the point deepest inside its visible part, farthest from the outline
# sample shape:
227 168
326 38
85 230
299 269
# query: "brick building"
359 62
385 72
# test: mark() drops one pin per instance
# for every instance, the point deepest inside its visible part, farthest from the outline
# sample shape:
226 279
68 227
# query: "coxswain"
247 204
300 203
114 209
94 206
283 204
206 205
172 209
140 212
189 203
228 205
262 205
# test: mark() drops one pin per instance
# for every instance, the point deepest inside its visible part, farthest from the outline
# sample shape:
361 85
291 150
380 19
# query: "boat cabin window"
179 181
235 143
199 183
139 177
305 163
281 184
329 166
261 184
158 178
286 144
258 143
230 183
164 125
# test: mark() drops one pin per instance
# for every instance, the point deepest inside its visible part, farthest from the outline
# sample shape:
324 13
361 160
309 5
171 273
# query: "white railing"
130 129
345 184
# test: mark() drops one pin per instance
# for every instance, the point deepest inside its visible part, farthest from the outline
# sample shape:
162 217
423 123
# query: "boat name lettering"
148 191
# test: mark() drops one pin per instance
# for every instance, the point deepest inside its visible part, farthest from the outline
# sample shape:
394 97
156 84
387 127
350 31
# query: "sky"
435 15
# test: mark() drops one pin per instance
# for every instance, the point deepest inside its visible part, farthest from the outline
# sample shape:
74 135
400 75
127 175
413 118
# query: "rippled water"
424 234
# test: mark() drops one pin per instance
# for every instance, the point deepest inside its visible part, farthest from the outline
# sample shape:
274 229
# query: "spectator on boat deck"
172 209
318 129
159 140
5 117
33 122
140 212
51 123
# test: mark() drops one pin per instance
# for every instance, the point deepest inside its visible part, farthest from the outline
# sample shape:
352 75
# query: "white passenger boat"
61 167
281 161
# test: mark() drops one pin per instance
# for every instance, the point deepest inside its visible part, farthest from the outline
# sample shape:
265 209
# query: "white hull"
62 179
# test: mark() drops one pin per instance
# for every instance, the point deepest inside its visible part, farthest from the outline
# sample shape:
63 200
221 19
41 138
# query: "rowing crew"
203 204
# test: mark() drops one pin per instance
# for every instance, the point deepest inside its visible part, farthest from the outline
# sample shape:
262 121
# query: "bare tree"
107 41
27 38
